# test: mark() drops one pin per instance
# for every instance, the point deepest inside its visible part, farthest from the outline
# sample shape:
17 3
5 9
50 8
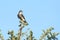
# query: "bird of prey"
22 18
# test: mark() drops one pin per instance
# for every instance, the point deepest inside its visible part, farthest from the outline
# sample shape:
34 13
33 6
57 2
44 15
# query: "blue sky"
40 14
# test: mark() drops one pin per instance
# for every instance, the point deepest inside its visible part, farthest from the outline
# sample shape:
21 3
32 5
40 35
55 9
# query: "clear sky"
40 14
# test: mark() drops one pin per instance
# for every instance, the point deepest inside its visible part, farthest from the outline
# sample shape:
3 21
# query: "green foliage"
1 36
47 35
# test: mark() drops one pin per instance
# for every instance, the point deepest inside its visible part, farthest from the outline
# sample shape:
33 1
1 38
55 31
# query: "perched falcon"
22 18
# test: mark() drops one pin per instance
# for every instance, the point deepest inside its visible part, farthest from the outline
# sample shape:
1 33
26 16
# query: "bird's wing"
22 15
